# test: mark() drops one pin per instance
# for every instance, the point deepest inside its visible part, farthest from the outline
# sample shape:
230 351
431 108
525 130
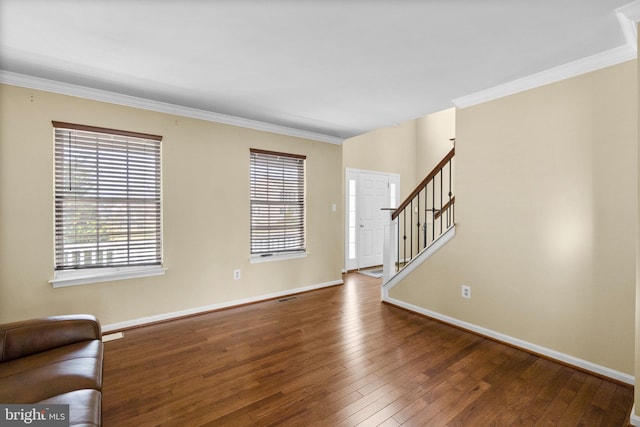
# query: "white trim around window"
64 278
256 259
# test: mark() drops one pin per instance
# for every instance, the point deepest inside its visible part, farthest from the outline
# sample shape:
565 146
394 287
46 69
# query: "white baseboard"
634 420
525 345
112 337
198 310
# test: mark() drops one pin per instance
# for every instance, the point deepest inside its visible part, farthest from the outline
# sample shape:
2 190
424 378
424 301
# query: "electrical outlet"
236 274
466 291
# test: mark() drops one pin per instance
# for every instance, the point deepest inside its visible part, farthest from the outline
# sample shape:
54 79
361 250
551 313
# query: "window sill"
255 259
96 275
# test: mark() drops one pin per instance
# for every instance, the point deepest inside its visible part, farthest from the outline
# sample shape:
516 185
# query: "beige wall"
433 134
410 149
390 150
546 185
205 208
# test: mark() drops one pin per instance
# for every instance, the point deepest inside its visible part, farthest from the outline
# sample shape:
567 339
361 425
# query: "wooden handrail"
418 189
444 208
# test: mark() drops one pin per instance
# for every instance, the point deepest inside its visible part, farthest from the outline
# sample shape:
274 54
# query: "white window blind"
277 202
107 198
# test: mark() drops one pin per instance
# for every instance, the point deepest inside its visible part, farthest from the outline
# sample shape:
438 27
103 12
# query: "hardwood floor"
339 357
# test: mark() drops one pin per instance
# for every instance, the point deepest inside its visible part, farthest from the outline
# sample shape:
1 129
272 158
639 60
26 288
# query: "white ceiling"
332 68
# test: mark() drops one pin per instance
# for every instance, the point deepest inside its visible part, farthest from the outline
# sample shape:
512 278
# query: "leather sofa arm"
22 338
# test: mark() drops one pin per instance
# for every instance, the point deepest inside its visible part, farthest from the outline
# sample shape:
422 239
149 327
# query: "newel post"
388 253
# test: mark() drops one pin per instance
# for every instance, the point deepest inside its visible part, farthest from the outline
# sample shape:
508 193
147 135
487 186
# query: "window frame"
67 274
288 160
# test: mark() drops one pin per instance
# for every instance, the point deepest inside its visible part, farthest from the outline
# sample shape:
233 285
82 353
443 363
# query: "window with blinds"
277 203
107 198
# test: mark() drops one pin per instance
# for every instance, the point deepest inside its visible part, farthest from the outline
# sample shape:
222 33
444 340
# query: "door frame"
352 178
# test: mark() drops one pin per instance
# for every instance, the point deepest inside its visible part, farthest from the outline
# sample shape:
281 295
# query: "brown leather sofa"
54 360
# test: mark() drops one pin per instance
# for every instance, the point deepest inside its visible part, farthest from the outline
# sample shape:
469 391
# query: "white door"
374 196
367 193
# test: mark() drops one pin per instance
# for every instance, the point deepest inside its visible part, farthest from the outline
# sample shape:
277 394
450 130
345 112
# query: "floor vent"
287 299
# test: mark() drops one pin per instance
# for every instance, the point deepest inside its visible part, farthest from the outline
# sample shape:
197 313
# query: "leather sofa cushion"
44 375
84 407
23 338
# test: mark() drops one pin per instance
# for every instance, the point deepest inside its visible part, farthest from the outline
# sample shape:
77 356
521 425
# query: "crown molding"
628 17
572 69
22 80
631 11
